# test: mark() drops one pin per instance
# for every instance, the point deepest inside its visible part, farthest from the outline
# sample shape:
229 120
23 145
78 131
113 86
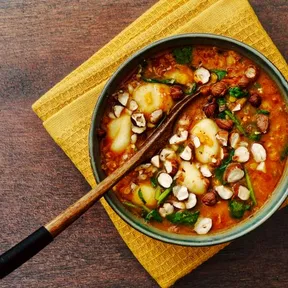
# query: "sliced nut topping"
166 154
186 154
156 116
117 109
222 136
138 119
255 100
243 193
176 139
196 141
241 155
210 198
179 205
219 89
201 75
204 169
133 138
167 209
234 139
168 166
224 192
133 186
261 167
111 115
251 72
133 105
123 98
237 107
203 226
180 192
165 180
233 173
225 124
191 202
259 152
155 160
138 130
262 122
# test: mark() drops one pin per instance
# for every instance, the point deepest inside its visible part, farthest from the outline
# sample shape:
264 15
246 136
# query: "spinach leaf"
153 215
219 172
238 92
162 81
222 115
250 187
183 55
154 182
237 208
284 153
261 111
220 73
221 101
140 194
163 195
185 217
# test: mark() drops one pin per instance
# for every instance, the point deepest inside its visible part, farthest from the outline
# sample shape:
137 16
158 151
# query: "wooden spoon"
34 243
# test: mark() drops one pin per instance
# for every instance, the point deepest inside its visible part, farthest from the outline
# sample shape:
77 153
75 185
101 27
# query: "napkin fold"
67 108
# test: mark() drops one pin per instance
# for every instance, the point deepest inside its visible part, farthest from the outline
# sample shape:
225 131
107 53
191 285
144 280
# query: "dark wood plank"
41 42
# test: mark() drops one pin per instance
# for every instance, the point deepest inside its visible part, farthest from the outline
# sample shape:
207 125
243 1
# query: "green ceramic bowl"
278 196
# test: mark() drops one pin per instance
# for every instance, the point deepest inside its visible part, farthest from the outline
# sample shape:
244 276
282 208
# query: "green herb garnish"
237 208
220 73
163 195
261 111
255 137
221 101
162 81
183 55
236 122
129 204
185 217
257 85
154 182
250 187
219 172
238 92
222 115
284 153
157 193
153 215
140 194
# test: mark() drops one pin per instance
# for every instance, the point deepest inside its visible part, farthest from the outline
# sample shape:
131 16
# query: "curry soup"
228 150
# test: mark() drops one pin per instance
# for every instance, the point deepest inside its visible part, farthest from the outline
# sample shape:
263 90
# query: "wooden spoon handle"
34 243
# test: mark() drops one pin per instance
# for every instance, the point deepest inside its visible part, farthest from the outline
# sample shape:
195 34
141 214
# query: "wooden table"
41 42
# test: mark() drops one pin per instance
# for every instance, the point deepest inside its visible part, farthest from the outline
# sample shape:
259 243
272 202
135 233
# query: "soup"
228 149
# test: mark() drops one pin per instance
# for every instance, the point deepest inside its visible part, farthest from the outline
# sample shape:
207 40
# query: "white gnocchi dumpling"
119 131
182 74
148 193
206 131
193 179
153 96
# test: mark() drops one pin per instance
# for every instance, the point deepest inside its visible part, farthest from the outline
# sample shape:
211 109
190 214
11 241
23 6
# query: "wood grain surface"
41 42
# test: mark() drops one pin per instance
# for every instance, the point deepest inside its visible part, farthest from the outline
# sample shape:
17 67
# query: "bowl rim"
247 225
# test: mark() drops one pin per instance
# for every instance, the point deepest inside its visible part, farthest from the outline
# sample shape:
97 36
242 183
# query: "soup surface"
228 149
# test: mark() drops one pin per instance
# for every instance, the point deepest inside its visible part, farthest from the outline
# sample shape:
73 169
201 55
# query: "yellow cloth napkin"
66 109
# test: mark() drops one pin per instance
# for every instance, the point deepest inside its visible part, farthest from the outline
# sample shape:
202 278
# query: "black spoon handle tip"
24 250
